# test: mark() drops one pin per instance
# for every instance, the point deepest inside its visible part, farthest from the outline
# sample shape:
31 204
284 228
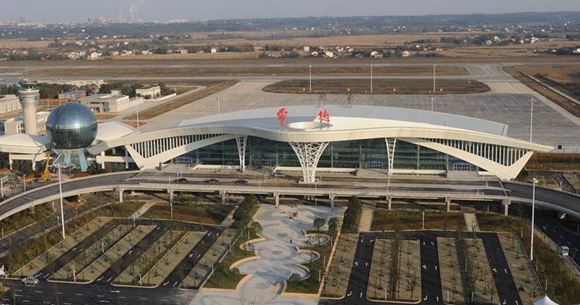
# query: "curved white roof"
23 143
113 130
350 118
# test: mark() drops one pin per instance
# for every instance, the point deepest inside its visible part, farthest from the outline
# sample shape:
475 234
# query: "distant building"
114 102
73 95
16 125
9 103
149 93
94 55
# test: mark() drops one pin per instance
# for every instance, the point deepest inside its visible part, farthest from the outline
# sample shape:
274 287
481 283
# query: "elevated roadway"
131 181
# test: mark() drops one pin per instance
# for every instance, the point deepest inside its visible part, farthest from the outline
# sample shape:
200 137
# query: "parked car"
241 182
30 280
279 175
212 181
182 179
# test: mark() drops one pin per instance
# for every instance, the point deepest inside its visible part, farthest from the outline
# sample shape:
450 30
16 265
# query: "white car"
30 280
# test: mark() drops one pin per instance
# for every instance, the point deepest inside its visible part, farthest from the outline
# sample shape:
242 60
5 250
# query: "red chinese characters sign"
281 114
323 116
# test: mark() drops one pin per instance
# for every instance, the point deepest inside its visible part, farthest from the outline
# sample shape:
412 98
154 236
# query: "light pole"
218 104
371 78
24 182
61 203
59 166
310 78
534 181
138 127
434 67
531 118
2 184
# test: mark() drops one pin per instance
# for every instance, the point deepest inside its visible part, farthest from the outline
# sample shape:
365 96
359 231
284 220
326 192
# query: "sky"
52 11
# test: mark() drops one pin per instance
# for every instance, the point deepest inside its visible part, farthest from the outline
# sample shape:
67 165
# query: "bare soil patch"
200 213
324 69
524 76
341 266
412 220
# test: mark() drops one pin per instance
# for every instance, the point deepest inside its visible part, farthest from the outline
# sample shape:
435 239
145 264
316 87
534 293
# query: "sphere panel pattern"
71 126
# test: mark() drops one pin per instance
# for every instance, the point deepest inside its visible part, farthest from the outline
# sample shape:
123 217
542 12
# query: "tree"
256 226
318 223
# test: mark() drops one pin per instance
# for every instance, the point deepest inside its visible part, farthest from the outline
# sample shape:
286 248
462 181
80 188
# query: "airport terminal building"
310 139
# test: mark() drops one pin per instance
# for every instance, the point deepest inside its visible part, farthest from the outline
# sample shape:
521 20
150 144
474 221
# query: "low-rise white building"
113 102
9 103
16 125
149 93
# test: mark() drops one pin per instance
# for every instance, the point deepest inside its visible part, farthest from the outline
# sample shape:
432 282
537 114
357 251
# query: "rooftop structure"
29 95
337 137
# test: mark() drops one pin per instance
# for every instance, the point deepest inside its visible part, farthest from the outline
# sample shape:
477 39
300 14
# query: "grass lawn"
25 218
311 284
225 278
28 250
391 86
412 220
203 213
339 272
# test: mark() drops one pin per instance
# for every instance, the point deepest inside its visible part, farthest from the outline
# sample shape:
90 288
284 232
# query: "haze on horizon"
54 11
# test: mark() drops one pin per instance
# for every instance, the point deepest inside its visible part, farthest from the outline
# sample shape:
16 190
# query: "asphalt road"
431 291
565 200
506 288
561 235
78 294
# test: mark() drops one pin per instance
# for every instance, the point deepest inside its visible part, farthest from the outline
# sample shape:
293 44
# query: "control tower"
29 95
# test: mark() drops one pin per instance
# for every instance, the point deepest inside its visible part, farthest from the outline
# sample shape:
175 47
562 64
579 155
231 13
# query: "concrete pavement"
278 258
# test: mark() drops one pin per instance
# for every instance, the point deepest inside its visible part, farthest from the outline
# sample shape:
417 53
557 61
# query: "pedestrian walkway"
142 210
366 218
471 222
279 257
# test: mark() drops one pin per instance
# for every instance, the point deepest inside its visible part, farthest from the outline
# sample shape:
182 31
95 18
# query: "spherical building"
71 126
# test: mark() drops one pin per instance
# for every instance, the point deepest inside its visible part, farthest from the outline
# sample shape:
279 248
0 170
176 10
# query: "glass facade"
370 154
71 126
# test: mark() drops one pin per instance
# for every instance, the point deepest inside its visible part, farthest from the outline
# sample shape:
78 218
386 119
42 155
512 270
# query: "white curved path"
279 257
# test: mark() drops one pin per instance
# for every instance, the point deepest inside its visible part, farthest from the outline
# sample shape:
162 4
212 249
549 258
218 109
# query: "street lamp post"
310 78
434 67
534 181
61 202
371 78
218 104
531 118
2 184
138 127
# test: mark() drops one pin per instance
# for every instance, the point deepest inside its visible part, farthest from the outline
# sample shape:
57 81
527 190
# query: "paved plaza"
278 258
508 102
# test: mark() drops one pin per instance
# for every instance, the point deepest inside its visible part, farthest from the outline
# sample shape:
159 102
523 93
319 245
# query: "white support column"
391 143
506 205
241 141
224 196
331 197
308 154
